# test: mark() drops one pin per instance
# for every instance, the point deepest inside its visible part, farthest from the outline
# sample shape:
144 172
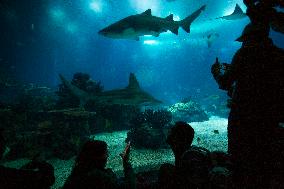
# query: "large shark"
131 95
237 14
134 26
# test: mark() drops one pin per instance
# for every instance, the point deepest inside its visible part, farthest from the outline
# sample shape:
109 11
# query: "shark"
130 95
236 15
134 26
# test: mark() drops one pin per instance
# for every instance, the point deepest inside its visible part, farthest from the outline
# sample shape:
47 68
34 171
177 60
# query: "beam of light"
71 28
142 5
229 10
176 18
150 42
57 14
96 6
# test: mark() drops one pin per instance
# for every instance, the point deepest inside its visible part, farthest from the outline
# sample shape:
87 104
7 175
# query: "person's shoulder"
196 151
102 173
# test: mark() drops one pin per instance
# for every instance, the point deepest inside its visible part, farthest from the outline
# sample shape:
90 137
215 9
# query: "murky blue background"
40 39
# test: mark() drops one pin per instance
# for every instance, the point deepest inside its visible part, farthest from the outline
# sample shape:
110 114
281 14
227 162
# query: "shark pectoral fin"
148 12
174 30
170 17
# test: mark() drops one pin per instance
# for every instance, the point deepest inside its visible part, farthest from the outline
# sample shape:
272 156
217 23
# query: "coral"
189 111
148 129
158 119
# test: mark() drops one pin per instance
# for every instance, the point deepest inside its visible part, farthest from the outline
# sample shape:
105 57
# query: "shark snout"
102 32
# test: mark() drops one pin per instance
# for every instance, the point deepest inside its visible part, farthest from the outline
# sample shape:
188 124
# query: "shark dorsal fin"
238 10
170 17
148 12
133 83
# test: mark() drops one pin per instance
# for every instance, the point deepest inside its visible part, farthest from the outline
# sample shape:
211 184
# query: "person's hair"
181 133
90 156
90 151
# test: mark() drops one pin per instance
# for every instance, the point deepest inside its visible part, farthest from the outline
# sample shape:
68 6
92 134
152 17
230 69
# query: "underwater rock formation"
48 134
188 111
111 118
148 129
34 98
84 82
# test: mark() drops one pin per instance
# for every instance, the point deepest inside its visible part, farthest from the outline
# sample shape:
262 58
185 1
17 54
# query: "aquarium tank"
123 72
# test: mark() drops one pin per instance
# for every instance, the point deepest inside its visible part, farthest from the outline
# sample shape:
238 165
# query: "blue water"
43 39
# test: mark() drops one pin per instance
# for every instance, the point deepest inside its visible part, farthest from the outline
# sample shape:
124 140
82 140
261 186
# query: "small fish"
216 131
198 140
213 97
108 124
211 38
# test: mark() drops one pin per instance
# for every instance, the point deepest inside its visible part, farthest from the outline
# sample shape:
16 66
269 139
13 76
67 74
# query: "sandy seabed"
143 160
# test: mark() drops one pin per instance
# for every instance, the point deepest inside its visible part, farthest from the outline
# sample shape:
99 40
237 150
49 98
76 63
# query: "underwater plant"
157 119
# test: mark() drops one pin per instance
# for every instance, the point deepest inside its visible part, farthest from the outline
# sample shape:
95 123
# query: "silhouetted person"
254 81
191 163
33 175
90 172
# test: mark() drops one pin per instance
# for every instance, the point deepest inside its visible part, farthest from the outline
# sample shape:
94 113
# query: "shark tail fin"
79 93
238 10
185 23
133 82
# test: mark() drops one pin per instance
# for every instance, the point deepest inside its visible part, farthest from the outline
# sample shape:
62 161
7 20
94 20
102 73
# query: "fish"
236 15
211 38
216 131
108 125
212 97
134 26
198 140
130 95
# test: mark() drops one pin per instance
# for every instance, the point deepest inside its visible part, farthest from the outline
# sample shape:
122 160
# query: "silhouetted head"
254 32
94 154
180 137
